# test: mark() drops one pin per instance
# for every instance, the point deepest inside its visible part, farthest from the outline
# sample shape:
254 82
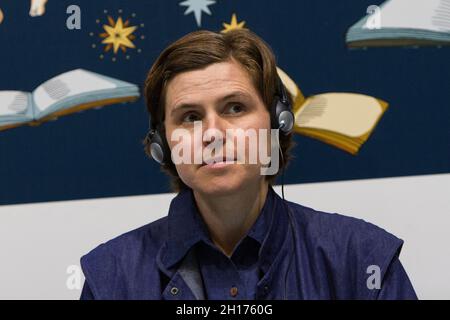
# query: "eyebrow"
234 94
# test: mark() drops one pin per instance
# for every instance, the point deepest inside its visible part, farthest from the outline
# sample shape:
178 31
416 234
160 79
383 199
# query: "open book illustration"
403 23
343 120
67 93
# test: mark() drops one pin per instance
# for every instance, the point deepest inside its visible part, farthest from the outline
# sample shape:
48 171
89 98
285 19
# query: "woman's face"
219 97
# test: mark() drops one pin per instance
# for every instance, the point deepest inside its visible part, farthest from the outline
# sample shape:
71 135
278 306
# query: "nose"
213 128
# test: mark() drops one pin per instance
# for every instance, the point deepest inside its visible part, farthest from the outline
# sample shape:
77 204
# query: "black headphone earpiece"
281 111
159 149
280 114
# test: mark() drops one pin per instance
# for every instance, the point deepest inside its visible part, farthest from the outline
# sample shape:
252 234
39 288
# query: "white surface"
38 242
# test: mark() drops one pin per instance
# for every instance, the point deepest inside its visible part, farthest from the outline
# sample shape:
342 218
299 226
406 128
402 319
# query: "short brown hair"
198 50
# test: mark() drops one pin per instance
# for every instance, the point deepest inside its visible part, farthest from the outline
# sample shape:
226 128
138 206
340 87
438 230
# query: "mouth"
219 161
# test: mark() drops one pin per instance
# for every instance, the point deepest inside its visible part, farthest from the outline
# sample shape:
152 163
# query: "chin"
219 186
222 182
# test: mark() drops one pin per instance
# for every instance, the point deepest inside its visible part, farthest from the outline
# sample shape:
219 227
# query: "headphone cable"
291 223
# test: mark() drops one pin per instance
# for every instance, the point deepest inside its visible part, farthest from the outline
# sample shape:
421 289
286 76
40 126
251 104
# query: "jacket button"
266 289
233 291
174 290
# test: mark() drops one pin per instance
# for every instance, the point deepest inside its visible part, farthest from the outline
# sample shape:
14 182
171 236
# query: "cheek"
261 127
187 173
181 150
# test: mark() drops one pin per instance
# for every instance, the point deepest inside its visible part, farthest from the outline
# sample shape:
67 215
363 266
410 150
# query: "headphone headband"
281 90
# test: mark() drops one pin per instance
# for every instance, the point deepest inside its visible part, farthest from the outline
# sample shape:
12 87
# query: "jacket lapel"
187 283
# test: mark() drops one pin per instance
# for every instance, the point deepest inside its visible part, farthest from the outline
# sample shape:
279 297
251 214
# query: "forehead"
209 84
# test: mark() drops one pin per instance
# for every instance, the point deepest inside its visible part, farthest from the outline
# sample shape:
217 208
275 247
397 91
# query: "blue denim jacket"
306 254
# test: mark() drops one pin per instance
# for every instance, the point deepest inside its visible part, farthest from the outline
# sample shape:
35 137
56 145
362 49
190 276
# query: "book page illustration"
404 23
68 85
37 8
13 103
64 94
408 14
343 120
338 113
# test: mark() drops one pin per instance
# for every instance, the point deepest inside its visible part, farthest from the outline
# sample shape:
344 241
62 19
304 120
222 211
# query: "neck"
229 217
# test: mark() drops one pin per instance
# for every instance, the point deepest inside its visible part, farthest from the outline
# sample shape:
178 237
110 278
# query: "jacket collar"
186 228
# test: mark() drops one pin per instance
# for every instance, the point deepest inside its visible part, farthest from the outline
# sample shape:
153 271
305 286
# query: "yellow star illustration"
233 24
118 35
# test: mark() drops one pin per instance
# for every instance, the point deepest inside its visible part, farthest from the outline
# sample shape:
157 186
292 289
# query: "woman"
228 235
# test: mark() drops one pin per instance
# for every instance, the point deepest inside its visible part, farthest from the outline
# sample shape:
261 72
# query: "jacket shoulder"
349 247
106 266
341 229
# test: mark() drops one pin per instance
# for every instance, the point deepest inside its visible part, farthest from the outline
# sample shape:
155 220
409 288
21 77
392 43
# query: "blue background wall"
98 153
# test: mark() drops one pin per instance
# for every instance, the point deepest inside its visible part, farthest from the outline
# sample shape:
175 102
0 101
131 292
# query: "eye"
190 117
236 108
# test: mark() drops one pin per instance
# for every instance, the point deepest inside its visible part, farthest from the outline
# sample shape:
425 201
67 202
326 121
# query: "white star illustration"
197 6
